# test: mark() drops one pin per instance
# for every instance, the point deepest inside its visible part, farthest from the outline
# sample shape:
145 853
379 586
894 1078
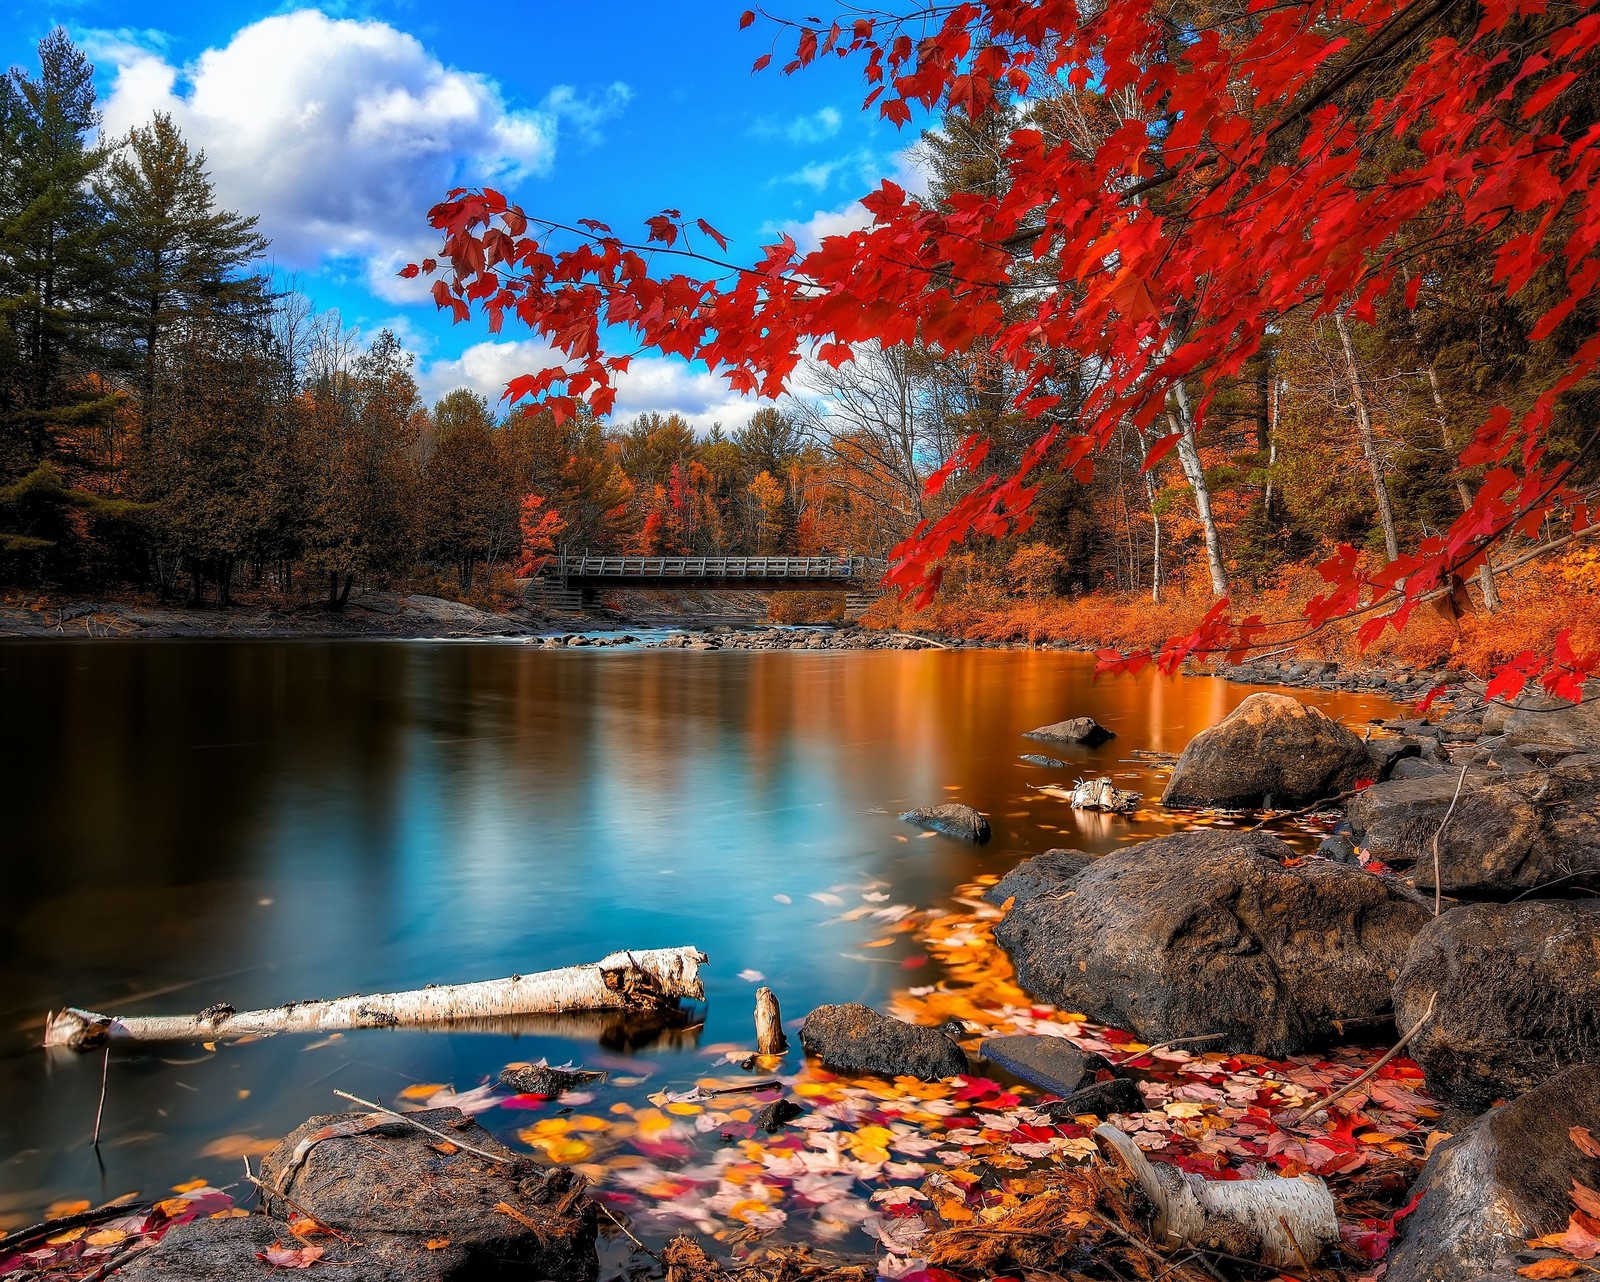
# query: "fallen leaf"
285 1257
235 1147
1550 1269
106 1237
437 1243
1586 1142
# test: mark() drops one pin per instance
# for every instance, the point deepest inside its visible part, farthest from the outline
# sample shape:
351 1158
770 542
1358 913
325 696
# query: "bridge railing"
856 569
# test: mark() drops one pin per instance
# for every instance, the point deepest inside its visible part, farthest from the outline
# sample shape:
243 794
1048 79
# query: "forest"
175 420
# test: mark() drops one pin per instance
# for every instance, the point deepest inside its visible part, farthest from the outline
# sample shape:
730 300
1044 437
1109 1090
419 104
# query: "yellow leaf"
71 1235
232 1213
189 1187
880 943
422 1090
236 1146
1550 1269
437 1243
105 1237
953 1212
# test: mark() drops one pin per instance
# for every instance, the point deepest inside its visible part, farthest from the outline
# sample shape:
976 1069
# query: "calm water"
186 823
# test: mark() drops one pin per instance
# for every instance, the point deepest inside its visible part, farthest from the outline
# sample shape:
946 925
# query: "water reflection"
254 822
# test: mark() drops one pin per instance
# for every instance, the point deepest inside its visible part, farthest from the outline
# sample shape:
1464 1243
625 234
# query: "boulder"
852 1038
1539 719
1085 730
1510 833
1052 1064
952 819
1506 1178
1270 748
1420 768
1388 753
391 1190
1038 876
1208 932
1518 997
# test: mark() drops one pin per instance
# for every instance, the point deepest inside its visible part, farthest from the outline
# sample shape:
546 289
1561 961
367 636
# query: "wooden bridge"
571 580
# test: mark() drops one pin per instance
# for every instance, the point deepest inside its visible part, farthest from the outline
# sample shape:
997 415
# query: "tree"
168 249
470 499
1255 176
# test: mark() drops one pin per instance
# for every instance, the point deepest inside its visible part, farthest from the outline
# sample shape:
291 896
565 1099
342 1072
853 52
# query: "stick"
250 1177
1306 810
99 1112
1438 890
1174 1041
1388 1055
650 979
428 1130
769 1024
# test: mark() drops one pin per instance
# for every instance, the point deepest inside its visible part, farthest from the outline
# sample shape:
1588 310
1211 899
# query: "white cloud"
651 384
817 126
867 169
340 133
808 233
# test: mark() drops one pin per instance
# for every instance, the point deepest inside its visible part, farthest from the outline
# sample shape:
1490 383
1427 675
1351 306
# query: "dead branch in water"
644 980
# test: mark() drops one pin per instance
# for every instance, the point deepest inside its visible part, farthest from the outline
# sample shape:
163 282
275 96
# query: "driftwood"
770 1039
642 980
1279 1221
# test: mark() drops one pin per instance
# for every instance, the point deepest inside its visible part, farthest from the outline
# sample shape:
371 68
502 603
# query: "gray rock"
1038 876
1418 768
1034 759
1115 1095
1518 997
952 819
1208 932
1085 730
856 1039
1541 720
1388 753
1269 746
1051 1063
1504 1179
1339 848
1510 833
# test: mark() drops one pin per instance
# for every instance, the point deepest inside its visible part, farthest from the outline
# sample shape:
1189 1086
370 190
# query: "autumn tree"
470 499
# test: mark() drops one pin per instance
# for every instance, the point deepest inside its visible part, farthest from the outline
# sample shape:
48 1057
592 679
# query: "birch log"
623 981
1294 1220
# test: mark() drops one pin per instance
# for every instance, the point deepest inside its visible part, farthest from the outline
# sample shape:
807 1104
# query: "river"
252 822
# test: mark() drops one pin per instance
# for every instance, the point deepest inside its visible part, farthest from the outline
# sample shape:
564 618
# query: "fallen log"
645 980
1282 1222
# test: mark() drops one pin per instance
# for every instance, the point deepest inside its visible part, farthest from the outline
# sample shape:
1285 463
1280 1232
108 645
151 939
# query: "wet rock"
1339 848
1208 932
541 1079
1388 753
1270 746
952 819
389 1181
1504 1179
773 1117
1085 730
1051 1063
1034 759
1114 1095
1038 876
856 1039
1510 833
1518 997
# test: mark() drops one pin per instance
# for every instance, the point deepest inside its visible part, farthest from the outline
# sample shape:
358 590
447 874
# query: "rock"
852 1038
1504 1179
1510 833
1417 768
1085 730
1115 1095
952 819
1388 753
1519 997
1337 847
391 1192
541 1079
773 1117
1038 876
1053 1064
1542 720
1270 746
1034 759
388 1180
1208 932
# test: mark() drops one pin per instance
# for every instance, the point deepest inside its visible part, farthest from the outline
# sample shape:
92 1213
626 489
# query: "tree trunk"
770 1039
1369 442
344 593
1491 594
1157 578
333 590
643 980
1194 473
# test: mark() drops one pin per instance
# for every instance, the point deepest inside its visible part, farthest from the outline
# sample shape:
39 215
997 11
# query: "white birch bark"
1195 474
1369 440
622 981
1491 594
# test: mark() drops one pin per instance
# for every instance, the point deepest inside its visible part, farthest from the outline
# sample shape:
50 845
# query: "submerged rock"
1518 997
1270 747
1507 1178
952 819
1208 932
1035 759
1085 730
1051 1063
856 1039
1509 833
1038 876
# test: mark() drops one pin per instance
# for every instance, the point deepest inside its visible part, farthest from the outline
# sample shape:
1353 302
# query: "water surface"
253 822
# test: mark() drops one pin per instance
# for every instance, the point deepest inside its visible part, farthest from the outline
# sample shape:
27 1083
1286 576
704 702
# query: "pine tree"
169 250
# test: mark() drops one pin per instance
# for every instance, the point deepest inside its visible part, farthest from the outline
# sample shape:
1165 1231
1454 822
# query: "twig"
1306 810
1387 1056
628 1232
770 1083
1174 1041
100 1110
1438 889
1295 1242
440 1135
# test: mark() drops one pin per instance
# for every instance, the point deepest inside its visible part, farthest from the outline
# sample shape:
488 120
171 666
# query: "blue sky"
340 124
